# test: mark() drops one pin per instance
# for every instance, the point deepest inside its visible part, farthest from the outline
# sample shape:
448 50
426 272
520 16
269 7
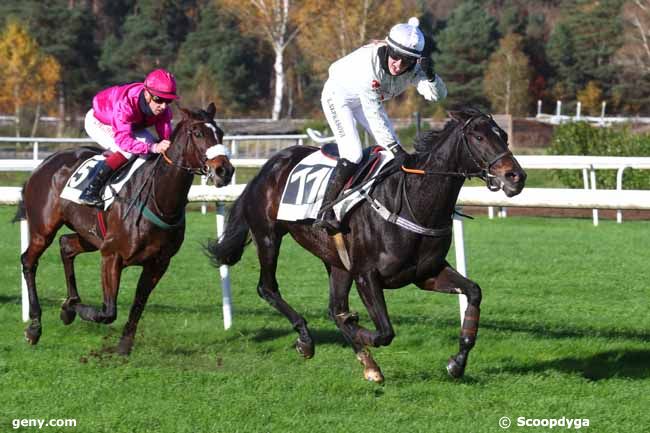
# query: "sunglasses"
159 100
406 60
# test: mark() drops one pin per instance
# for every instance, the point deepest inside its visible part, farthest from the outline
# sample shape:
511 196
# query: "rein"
483 172
414 226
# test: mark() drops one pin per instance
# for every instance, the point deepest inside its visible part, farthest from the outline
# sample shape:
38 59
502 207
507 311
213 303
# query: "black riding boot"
342 172
98 177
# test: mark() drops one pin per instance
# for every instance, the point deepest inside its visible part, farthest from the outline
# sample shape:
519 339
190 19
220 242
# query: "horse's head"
197 145
486 145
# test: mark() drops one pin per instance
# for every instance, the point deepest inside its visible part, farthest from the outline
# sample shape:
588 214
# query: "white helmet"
406 38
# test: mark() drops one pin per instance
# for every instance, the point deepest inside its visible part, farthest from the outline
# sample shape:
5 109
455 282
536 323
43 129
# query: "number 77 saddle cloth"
303 193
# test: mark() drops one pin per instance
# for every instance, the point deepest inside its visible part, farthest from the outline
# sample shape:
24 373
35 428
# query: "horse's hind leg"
152 272
268 249
40 237
111 272
450 281
71 246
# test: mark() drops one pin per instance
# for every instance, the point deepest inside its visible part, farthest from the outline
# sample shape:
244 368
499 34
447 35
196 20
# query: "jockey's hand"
399 152
427 67
161 146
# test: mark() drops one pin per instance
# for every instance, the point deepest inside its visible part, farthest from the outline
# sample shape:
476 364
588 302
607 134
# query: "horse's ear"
459 116
212 109
186 113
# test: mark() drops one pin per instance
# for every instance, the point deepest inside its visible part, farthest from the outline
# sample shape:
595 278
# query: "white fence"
469 196
248 146
588 165
602 120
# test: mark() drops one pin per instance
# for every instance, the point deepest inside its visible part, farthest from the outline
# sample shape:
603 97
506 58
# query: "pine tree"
464 48
151 36
217 64
582 45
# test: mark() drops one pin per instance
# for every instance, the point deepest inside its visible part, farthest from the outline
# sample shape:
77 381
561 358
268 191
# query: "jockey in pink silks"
119 120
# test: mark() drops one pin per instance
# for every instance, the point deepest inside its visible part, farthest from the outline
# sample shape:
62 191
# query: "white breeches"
105 137
342 118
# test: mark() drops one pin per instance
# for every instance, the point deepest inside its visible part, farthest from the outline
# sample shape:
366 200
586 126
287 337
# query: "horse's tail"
229 248
21 213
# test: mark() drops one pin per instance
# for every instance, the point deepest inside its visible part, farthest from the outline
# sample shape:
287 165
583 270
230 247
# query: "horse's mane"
435 137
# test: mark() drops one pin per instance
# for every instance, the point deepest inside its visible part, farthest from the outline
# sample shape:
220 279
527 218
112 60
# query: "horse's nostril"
515 176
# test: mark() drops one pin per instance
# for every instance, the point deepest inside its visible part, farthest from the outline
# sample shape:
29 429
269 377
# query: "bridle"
210 153
491 181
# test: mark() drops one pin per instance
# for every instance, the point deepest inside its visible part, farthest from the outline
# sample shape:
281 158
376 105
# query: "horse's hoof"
305 349
68 314
454 369
124 347
373 375
33 333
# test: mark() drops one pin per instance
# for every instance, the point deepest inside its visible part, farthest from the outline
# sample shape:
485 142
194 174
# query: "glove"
427 67
399 152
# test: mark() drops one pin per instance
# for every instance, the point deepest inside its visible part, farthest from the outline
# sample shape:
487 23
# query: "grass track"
564 333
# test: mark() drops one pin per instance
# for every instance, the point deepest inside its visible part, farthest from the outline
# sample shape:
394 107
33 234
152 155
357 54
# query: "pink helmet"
161 83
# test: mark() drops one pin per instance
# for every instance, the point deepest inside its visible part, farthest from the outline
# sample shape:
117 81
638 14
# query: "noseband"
491 181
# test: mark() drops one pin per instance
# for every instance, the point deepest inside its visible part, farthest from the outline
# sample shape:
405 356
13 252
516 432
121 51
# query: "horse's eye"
478 137
198 134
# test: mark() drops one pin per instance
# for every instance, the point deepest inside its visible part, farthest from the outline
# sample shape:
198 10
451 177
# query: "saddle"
79 179
367 166
303 193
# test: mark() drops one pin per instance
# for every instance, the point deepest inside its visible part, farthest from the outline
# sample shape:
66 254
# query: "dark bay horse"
145 225
382 255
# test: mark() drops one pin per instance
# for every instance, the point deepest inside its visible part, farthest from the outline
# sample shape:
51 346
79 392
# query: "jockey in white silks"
357 86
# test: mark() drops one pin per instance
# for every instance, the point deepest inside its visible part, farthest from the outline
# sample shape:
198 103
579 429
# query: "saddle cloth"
79 180
305 188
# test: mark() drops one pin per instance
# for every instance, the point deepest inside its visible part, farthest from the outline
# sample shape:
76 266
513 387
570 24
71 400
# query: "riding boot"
98 177
342 172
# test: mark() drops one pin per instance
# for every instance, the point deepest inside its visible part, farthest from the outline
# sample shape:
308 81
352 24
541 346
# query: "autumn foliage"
29 77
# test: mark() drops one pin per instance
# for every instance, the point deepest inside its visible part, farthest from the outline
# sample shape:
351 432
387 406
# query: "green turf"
564 333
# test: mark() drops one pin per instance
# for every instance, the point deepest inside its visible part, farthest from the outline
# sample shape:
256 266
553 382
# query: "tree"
151 36
464 47
632 91
29 76
278 22
218 65
591 98
507 77
345 26
582 45
63 30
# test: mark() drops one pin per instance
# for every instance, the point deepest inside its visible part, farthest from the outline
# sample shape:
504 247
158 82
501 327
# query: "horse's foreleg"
450 281
268 249
348 322
372 295
151 273
111 272
71 246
